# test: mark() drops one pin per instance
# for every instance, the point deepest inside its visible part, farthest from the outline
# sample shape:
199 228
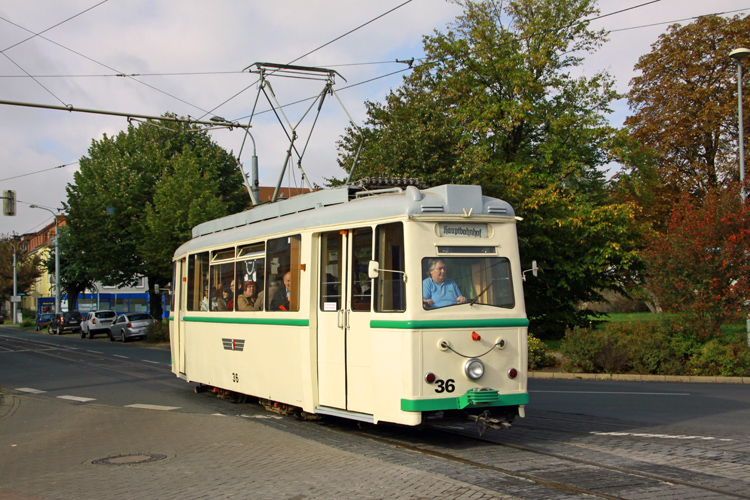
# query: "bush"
28 323
579 347
158 332
27 313
661 348
671 346
716 358
538 357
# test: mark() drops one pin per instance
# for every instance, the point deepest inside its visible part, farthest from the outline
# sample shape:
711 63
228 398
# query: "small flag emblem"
233 344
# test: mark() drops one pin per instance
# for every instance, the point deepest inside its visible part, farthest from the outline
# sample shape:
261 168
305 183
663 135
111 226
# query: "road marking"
76 398
95 352
118 356
149 361
261 416
30 390
153 407
662 436
628 393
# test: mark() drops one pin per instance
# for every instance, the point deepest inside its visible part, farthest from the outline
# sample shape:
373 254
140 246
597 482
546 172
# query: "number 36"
446 386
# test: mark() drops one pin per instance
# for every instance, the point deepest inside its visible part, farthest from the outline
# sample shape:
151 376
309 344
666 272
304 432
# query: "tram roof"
345 204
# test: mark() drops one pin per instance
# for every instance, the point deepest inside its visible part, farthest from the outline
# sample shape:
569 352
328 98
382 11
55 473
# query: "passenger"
437 291
205 301
280 299
229 297
220 302
249 297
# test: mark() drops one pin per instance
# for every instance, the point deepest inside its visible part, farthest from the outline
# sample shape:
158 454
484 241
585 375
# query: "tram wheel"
239 398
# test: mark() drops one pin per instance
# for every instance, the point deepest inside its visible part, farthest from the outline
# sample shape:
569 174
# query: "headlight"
474 369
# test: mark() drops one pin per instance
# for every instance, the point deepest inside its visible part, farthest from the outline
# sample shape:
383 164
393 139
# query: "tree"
684 107
28 268
122 214
700 265
494 104
76 275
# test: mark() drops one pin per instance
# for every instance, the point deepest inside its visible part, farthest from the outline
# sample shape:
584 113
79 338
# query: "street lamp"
738 55
57 258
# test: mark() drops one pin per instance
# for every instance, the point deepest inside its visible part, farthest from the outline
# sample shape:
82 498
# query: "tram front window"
450 281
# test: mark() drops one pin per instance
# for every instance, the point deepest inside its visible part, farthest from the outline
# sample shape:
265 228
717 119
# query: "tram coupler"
486 419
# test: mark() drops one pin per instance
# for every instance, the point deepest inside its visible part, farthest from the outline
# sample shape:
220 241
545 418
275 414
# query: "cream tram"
388 305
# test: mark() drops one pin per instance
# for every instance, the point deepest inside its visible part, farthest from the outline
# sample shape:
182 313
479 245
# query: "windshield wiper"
482 293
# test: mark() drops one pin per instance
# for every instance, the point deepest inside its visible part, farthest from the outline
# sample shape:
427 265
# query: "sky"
187 57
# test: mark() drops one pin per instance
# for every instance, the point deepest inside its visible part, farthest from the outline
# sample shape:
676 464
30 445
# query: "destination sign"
463 230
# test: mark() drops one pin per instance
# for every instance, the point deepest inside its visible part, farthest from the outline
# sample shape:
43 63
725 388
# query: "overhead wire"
34 35
679 20
304 55
315 50
118 73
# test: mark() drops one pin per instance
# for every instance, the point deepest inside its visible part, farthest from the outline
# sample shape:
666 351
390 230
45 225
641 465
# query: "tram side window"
390 290
361 294
282 274
221 281
331 271
197 284
250 278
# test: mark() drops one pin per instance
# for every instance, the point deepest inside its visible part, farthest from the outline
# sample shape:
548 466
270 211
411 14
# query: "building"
41 297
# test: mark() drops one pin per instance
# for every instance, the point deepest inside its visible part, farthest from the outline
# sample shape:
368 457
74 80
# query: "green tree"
684 107
137 193
28 268
494 104
76 274
700 264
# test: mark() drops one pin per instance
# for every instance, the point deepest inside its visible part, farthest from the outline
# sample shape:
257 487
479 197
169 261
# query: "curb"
640 378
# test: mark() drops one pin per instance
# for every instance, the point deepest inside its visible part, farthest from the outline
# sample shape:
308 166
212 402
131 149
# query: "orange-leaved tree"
700 265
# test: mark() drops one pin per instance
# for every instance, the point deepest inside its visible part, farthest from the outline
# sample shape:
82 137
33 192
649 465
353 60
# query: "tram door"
344 353
178 313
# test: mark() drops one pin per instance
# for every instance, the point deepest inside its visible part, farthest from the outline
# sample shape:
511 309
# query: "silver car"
130 326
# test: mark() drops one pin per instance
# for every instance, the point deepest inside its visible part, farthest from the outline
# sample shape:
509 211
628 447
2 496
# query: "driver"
437 290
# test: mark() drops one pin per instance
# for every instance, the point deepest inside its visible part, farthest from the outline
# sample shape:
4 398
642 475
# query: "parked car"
2 318
43 320
65 322
97 322
131 326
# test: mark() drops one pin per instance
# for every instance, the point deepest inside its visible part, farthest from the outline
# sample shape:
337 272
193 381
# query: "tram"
375 301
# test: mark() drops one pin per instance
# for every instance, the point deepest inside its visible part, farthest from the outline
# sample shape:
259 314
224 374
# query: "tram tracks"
591 473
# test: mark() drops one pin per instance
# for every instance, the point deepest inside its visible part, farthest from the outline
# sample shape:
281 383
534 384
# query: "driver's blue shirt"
443 294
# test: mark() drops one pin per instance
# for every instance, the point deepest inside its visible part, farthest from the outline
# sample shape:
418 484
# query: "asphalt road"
120 374
718 408
69 402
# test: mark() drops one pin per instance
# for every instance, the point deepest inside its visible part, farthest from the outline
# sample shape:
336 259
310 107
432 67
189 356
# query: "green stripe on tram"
450 323
248 321
462 402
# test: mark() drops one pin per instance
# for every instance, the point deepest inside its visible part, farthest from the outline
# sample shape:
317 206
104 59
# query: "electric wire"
119 74
351 31
34 35
314 50
38 172
680 20
37 81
